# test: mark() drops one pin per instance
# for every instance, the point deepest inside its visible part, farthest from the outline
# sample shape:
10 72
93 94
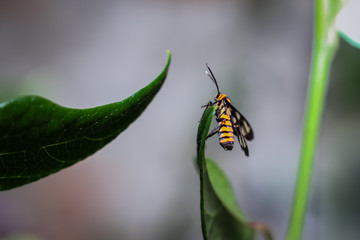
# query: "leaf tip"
168 53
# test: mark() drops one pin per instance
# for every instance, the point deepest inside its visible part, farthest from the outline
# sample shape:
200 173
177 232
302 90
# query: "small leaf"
347 20
221 217
39 137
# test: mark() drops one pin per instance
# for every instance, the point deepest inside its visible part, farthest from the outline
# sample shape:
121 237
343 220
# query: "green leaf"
347 20
39 137
221 217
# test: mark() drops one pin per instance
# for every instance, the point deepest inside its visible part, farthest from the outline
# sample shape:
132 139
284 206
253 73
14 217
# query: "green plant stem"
323 50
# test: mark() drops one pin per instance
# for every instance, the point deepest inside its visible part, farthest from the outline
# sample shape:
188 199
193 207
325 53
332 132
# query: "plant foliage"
221 216
39 137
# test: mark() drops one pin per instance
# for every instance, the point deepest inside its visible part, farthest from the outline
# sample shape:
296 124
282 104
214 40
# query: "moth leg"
212 133
206 107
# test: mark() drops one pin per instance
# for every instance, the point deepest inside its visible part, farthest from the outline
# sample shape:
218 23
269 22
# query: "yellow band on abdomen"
227 140
226 129
230 134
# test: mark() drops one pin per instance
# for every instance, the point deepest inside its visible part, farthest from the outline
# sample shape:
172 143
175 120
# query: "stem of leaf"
323 50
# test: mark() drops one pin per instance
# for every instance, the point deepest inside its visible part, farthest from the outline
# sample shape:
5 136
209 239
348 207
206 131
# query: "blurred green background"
144 185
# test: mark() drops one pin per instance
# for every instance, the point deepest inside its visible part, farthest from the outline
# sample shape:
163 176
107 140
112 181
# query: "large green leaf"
39 137
221 216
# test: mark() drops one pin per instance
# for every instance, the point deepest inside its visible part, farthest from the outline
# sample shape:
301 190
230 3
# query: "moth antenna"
212 77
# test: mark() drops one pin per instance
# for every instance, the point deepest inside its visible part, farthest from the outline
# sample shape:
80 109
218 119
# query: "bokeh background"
143 185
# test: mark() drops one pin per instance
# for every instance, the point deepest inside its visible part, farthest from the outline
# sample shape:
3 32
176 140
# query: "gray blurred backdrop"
143 185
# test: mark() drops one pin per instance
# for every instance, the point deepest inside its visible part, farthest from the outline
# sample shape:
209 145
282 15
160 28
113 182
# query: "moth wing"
240 124
243 145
